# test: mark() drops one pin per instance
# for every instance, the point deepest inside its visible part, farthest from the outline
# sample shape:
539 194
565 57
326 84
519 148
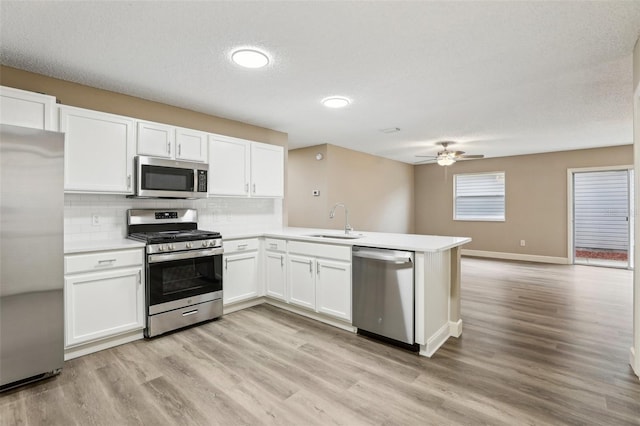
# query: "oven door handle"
155 258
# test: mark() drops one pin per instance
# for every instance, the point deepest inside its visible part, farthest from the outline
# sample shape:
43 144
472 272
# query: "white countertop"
100 245
412 242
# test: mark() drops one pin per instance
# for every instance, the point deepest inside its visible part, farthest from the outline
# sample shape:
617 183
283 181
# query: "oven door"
175 280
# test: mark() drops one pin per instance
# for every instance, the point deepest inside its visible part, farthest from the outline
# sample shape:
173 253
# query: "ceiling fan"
447 157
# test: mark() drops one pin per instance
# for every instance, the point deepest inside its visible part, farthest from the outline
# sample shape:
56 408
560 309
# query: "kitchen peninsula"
436 274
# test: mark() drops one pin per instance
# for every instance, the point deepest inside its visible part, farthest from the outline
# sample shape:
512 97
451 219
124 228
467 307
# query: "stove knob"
170 247
189 245
204 244
212 243
160 248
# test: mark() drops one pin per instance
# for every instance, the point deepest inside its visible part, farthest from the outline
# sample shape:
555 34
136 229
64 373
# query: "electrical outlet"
95 219
522 243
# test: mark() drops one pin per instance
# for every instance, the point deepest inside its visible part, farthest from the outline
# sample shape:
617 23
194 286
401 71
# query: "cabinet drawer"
330 251
274 244
232 246
104 260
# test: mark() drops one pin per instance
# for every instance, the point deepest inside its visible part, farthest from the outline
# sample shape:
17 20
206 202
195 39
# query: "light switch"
316 192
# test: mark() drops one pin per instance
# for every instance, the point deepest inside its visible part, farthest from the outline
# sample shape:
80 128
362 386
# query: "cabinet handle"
226 264
273 245
242 246
128 181
254 188
246 188
139 277
281 261
179 150
186 314
318 268
169 148
106 262
310 266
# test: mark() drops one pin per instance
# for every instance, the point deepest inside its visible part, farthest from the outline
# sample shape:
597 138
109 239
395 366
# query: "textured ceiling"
500 78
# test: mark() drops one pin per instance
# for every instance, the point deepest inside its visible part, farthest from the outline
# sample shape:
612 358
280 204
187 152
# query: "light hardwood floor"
542 344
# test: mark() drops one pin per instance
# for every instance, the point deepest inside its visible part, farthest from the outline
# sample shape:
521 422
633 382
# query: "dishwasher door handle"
383 257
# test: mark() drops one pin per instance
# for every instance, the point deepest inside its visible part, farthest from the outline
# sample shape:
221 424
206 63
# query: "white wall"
635 349
225 215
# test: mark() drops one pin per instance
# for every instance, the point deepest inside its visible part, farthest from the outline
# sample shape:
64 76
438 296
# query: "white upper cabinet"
164 141
191 145
267 170
27 109
229 166
155 139
98 153
243 168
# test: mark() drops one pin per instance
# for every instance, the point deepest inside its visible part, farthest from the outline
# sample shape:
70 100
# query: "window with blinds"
479 196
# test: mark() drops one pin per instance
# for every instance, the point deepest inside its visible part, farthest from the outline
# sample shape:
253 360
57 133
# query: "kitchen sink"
339 236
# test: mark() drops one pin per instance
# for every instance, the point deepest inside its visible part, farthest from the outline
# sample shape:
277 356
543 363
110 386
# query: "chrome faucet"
332 213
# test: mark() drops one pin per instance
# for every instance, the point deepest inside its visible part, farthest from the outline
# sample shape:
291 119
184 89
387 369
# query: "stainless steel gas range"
183 268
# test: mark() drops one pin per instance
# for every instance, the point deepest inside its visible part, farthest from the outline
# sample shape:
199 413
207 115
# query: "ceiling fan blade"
470 157
456 153
427 161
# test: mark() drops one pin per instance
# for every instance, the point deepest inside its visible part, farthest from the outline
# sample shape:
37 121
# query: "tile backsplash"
226 215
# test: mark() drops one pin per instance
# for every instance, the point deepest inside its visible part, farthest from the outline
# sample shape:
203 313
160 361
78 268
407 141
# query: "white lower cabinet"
104 295
275 268
302 281
240 275
320 278
333 288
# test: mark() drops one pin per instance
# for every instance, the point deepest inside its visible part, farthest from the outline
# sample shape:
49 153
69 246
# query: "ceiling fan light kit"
446 157
445 161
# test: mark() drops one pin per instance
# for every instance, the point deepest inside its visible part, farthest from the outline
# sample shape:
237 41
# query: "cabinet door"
302 285
27 109
98 153
267 170
155 139
229 167
333 284
240 280
103 304
191 145
275 274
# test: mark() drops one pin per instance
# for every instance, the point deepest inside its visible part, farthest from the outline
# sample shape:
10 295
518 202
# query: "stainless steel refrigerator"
31 255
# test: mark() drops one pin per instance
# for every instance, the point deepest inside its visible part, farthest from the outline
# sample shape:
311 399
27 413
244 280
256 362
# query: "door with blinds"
603 218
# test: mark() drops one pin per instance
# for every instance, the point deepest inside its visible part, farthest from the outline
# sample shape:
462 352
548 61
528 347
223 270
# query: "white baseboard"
455 328
310 314
244 304
516 256
435 341
635 362
91 347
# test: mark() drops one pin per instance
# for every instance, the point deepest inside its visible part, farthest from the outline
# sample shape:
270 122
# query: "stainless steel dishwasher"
383 294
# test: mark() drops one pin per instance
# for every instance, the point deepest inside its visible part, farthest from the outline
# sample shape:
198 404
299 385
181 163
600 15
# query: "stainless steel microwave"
161 178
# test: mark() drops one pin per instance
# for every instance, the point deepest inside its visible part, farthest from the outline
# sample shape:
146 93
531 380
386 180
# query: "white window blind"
479 196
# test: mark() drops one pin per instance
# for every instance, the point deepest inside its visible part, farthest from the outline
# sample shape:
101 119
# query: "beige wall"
377 191
536 199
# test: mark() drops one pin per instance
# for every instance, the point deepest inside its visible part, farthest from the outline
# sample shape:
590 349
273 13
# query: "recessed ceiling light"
250 58
336 102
